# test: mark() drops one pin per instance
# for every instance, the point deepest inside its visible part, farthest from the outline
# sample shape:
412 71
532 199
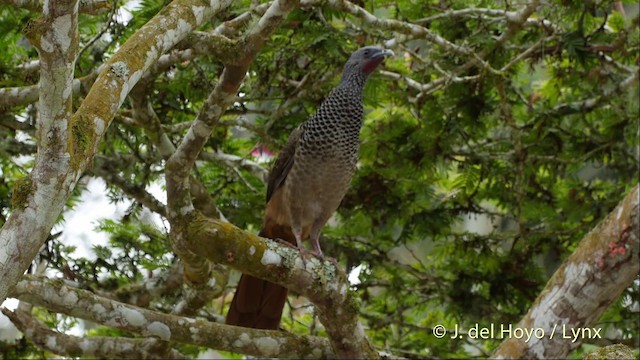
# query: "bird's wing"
284 162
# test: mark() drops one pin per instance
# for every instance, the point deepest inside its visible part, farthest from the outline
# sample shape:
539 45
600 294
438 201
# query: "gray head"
364 60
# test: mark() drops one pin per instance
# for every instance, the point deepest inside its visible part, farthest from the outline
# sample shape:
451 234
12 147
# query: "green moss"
21 191
82 135
226 49
617 351
352 303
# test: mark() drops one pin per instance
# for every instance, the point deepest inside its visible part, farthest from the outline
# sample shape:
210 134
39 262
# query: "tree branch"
415 31
67 144
98 346
594 276
37 199
587 105
182 160
60 298
93 7
321 282
235 161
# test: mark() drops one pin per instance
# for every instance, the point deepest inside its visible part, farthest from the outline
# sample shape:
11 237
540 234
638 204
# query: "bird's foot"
303 254
334 262
328 258
320 256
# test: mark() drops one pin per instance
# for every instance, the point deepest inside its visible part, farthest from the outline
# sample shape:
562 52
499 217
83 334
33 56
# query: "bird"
307 183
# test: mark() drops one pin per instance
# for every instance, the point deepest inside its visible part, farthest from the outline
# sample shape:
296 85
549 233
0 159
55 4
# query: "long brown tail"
258 303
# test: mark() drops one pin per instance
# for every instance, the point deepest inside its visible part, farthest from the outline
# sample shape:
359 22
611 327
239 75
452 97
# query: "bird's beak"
384 53
387 53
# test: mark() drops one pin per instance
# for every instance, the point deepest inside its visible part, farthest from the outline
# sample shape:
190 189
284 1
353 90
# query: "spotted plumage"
307 184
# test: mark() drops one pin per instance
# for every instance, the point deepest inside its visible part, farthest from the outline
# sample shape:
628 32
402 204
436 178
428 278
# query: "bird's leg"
315 242
297 233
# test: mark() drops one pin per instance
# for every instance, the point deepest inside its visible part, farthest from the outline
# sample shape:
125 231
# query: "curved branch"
325 285
56 296
98 346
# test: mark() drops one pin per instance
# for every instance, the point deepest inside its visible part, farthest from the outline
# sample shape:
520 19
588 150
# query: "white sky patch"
78 227
8 331
354 275
124 13
157 189
94 205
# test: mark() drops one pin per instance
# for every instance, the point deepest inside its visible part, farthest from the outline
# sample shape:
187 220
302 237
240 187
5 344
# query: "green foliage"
17 49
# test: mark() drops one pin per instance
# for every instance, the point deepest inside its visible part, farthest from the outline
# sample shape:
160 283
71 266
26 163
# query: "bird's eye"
366 52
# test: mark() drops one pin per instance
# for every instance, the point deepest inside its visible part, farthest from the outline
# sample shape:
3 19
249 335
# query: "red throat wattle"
372 65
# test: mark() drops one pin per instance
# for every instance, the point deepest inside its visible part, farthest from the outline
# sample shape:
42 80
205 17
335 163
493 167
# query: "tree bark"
67 143
604 264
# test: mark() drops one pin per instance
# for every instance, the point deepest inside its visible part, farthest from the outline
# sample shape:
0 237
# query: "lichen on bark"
22 189
81 138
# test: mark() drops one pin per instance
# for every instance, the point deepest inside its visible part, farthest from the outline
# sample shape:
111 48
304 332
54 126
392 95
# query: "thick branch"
85 6
325 285
15 96
604 264
21 96
98 346
39 199
58 297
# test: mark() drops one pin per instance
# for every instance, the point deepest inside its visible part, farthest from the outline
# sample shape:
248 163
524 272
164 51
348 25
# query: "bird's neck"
354 81
346 101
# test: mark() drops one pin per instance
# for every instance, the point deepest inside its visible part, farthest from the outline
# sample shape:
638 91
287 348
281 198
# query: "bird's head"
366 59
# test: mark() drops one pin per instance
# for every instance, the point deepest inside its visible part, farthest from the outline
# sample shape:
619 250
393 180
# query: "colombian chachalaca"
307 184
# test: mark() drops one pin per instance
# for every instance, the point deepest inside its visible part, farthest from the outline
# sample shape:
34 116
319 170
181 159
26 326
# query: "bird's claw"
328 258
333 261
304 253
